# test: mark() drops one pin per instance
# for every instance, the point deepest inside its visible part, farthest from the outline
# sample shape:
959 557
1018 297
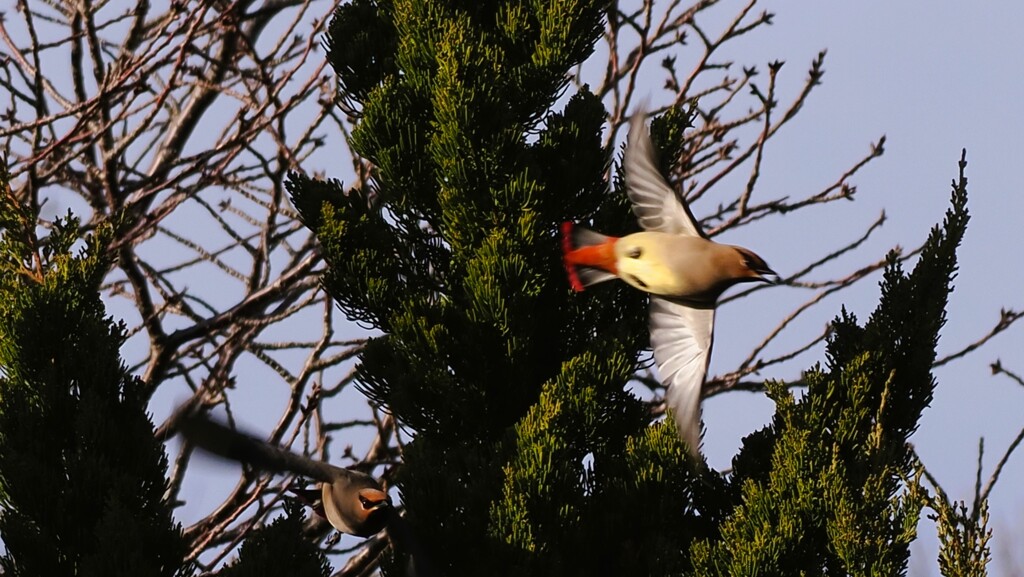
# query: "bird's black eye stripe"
637 280
635 252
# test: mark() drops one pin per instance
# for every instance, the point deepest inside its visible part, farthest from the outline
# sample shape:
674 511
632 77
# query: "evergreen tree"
82 478
528 457
279 549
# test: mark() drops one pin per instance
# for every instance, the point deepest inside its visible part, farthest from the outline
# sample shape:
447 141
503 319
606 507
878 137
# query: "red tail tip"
567 247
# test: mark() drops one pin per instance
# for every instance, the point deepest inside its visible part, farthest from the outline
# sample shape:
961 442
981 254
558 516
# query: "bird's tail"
228 443
581 249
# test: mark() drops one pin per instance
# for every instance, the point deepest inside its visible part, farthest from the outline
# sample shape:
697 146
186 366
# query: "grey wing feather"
231 444
655 204
681 337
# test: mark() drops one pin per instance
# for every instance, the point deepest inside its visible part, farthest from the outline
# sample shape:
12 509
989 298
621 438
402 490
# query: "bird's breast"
669 265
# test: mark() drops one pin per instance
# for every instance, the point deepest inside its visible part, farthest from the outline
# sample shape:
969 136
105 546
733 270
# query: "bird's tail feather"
575 237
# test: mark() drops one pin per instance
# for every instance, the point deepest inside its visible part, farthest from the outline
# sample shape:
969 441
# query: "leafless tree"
181 119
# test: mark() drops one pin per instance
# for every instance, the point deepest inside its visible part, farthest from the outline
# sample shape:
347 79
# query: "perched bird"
353 502
677 263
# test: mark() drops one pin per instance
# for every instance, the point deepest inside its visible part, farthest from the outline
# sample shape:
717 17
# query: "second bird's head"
358 511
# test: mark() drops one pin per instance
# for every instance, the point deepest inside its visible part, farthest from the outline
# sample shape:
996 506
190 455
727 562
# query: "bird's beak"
768 275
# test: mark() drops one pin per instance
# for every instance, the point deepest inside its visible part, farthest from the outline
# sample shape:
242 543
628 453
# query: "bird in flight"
674 260
353 502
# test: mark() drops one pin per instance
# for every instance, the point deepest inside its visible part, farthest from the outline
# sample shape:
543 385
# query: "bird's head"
373 510
373 499
748 267
357 505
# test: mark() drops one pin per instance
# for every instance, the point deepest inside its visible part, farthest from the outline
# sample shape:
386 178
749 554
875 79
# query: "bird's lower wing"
681 337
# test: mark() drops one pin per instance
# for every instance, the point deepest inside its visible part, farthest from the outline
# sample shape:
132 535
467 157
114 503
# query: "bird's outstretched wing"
681 337
655 204
231 444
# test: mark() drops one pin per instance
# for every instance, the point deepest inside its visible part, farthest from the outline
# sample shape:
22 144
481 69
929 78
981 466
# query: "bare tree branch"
1006 319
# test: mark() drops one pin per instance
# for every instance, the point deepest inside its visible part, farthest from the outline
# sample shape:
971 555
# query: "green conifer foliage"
831 487
529 457
82 478
280 549
508 379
